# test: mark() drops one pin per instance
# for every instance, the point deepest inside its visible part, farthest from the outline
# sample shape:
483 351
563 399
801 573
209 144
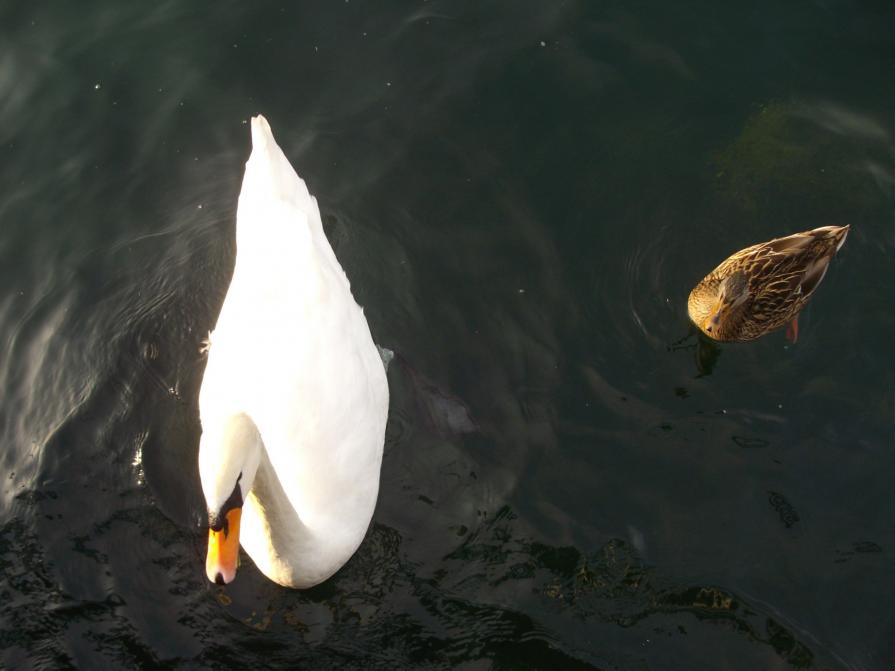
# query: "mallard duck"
761 288
294 399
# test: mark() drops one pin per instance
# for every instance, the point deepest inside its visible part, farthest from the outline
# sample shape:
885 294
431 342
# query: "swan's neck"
283 547
229 453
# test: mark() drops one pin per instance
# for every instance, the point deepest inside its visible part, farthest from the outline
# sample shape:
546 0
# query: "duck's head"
713 306
229 454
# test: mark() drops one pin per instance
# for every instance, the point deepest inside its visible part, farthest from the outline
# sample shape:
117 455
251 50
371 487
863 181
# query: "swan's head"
229 454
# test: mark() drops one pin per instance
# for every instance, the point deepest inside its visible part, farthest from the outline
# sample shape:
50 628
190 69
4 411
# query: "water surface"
522 195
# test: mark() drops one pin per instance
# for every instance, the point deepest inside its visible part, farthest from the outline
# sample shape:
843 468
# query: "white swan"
294 400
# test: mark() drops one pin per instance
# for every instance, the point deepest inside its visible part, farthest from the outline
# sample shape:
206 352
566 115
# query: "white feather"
292 351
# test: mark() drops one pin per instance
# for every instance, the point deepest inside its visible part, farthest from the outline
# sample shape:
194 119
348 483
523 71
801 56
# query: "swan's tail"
275 207
269 173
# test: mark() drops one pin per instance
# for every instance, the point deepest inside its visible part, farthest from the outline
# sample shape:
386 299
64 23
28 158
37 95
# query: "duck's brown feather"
782 274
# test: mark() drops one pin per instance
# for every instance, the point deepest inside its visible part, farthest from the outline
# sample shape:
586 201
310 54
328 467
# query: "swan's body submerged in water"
294 400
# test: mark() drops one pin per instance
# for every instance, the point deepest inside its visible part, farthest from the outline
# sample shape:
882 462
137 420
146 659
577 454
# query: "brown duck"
763 287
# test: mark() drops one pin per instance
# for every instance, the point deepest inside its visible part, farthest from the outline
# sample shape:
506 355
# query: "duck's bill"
223 550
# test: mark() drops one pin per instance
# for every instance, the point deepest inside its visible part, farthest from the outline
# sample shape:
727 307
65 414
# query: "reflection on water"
522 198
705 351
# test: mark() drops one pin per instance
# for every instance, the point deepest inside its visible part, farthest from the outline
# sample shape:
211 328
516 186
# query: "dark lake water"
522 194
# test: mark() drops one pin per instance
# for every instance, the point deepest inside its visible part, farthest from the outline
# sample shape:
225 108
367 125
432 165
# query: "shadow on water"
706 352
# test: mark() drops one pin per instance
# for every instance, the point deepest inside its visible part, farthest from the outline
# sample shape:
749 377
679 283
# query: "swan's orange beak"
223 549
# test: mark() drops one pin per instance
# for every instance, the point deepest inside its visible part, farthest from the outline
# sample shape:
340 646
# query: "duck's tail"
840 235
835 235
832 238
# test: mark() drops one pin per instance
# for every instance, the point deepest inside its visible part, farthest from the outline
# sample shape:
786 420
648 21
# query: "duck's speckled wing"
783 273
